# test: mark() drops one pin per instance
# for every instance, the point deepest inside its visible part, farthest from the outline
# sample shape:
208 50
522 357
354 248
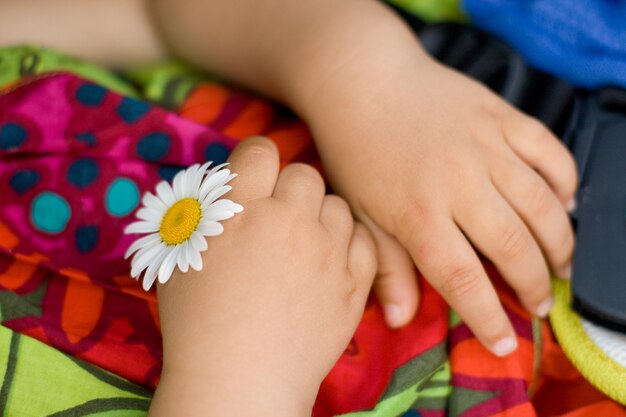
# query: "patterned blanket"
78 147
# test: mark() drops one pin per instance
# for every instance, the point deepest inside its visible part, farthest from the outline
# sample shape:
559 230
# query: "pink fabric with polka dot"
74 162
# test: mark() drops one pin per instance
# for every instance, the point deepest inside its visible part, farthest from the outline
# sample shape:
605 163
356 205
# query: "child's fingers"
362 261
540 209
302 186
539 148
396 280
448 262
497 231
336 217
255 161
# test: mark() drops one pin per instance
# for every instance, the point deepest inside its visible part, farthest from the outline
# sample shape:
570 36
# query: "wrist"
348 57
235 394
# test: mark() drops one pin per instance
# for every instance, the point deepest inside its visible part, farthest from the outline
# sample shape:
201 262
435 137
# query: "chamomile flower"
177 219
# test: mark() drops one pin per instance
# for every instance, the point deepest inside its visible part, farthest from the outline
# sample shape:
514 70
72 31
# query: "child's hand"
280 295
428 159
439 168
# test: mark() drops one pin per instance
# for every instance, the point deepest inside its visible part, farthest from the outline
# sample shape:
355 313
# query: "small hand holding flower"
280 295
177 220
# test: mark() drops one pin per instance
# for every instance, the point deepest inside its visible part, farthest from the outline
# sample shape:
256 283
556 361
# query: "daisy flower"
176 221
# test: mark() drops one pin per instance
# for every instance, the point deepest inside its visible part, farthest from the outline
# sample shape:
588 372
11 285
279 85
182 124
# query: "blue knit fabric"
582 41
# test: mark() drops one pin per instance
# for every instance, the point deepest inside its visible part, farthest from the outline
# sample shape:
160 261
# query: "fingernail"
571 205
394 315
504 346
566 273
544 308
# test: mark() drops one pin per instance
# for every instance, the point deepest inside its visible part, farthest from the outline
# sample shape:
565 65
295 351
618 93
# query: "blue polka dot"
216 152
167 172
24 180
86 238
132 110
154 146
50 212
88 138
122 197
83 172
91 95
12 135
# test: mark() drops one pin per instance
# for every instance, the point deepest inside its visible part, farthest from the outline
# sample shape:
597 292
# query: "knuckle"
337 204
352 292
260 148
515 243
537 130
459 280
493 104
304 172
540 198
412 217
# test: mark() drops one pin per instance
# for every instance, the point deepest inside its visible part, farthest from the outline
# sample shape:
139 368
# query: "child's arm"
116 33
281 293
433 163
427 158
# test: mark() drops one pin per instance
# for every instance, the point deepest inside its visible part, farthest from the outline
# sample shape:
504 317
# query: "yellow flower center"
180 221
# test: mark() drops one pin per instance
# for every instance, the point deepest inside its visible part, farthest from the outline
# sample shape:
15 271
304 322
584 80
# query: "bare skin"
282 292
435 165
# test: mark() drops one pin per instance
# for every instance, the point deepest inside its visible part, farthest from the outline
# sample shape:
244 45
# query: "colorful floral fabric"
75 158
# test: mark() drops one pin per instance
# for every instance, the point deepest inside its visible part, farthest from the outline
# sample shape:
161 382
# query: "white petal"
218 216
230 177
150 215
165 193
224 204
190 179
183 262
212 181
203 169
217 168
151 201
148 240
184 184
221 210
168 265
143 258
215 193
210 228
177 184
198 241
151 272
148 280
195 260
195 182
141 227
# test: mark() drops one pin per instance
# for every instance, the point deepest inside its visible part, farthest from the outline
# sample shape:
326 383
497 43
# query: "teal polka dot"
50 212
122 197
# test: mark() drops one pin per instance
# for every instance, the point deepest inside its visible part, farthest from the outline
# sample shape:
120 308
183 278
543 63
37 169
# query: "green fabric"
38 380
27 60
166 84
422 383
432 11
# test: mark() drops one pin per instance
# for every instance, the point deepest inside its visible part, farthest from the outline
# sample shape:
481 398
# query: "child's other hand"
438 168
280 296
428 159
